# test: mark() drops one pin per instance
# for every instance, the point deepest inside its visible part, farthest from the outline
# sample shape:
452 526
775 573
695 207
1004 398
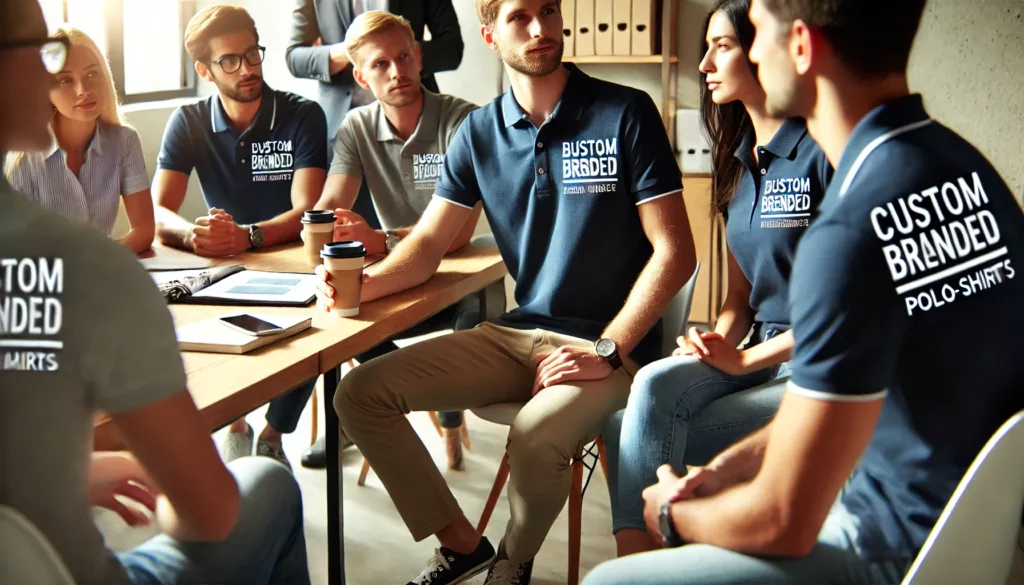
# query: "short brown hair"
487 11
370 23
210 23
871 37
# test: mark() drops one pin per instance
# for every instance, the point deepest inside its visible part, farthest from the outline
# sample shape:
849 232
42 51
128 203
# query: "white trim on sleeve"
447 200
649 199
831 397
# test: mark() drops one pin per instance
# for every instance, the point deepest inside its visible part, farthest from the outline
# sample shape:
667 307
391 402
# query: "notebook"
212 336
234 285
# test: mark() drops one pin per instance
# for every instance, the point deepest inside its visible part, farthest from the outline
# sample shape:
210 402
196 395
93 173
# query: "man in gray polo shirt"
397 145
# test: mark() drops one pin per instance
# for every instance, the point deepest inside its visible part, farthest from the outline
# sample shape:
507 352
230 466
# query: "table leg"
335 507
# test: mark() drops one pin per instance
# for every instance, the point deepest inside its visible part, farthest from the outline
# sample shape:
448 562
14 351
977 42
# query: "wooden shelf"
618 59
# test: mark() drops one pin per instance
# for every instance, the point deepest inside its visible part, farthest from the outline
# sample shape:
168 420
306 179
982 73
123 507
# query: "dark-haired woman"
768 178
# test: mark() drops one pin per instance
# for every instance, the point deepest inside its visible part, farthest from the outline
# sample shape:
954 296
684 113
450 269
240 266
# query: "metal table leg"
335 509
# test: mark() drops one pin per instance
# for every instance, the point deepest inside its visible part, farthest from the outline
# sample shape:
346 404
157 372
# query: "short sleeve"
457 183
311 138
653 170
131 357
176 149
346 159
134 177
848 325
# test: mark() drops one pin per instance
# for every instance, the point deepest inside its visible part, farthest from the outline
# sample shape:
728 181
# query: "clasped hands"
217 234
712 349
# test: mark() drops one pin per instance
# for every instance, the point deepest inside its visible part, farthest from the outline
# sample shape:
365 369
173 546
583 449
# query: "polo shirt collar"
570 106
782 145
95 145
426 127
267 115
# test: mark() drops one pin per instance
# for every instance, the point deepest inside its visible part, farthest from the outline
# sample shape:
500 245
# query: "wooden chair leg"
492 499
602 456
313 423
437 423
464 430
575 520
363 472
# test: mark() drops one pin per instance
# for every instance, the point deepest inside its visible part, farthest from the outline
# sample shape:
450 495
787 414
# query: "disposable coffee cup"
344 264
317 232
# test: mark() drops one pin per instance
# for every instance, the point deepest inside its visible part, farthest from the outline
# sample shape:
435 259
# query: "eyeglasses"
54 52
232 63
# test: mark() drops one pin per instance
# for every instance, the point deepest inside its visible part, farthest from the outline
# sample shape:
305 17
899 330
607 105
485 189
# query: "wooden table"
226 386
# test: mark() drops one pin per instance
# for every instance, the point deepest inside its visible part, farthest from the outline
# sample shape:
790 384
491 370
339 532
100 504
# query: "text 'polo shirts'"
401 175
911 281
247 174
562 200
776 199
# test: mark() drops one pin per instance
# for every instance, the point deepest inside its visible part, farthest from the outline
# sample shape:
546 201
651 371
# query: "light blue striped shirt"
114 167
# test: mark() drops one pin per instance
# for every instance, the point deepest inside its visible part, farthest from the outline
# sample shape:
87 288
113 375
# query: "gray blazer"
329 19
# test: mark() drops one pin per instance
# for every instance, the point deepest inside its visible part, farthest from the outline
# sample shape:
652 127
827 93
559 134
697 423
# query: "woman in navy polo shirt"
768 195
96 160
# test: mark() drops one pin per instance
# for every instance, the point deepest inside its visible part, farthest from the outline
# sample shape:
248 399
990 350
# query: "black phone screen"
250 323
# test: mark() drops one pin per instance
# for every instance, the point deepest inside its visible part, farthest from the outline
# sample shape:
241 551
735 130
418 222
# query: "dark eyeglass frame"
258 49
44 43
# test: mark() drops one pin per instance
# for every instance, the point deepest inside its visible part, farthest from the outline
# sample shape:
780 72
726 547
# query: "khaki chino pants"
469 369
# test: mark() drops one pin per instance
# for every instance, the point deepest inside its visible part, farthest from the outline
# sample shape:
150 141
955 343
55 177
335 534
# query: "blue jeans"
267 545
835 561
680 411
284 412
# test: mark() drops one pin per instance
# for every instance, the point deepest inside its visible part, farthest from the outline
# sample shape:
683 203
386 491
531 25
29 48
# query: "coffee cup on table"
344 264
317 231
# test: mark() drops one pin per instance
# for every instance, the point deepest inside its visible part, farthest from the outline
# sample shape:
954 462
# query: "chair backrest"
975 538
677 315
26 556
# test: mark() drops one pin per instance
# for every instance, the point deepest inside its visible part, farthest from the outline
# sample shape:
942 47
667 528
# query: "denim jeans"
674 416
284 412
834 561
267 545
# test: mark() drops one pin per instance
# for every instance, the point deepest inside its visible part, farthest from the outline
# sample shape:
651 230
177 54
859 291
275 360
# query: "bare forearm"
742 461
281 229
172 229
770 353
411 264
137 240
739 518
734 321
657 284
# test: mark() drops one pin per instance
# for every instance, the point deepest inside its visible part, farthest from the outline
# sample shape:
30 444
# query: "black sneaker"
448 567
505 572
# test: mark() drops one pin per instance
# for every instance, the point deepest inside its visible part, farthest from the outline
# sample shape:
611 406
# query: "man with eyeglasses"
261 157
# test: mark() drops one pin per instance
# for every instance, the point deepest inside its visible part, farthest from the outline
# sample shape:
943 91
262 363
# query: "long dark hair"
725 125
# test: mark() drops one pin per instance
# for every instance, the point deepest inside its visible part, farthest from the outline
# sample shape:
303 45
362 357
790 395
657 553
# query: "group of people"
813 436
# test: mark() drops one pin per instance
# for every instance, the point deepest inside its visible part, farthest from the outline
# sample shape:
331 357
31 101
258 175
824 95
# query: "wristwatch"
255 237
391 240
609 350
669 537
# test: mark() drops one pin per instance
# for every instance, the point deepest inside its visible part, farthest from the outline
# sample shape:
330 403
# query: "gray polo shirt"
400 175
82 329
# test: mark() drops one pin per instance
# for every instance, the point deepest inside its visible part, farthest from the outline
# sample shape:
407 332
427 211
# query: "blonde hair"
212 22
110 112
371 23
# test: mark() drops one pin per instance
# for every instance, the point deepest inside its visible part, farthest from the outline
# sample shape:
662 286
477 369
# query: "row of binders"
609 27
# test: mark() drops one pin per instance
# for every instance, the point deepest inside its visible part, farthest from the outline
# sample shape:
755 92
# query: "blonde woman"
95 160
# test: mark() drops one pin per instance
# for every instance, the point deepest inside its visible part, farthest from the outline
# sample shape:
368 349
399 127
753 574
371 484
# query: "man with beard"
883 415
395 145
583 194
261 159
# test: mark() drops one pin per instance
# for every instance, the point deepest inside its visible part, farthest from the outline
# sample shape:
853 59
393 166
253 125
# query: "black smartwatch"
670 538
609 350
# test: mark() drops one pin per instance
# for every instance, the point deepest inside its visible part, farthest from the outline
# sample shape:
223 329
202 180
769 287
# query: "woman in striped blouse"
95 160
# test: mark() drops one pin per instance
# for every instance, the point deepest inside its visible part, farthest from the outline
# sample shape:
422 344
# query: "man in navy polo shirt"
582 191
919 241
261 159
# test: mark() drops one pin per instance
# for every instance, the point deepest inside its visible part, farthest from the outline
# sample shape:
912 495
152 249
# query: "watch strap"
670 538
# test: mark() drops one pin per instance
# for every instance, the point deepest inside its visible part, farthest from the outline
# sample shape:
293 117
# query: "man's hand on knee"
570 364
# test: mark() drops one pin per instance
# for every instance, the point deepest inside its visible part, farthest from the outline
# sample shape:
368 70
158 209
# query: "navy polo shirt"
248 174
562 200
909 287
775 201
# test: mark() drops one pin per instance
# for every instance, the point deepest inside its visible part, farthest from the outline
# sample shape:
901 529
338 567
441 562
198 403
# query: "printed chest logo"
947 232
426 170
786 203
272 160
590 166
31 314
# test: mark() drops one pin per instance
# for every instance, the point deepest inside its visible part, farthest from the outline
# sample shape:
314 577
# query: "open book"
234 285
211 335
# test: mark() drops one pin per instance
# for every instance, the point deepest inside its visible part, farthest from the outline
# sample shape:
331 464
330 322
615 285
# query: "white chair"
26 556
674 321
975 538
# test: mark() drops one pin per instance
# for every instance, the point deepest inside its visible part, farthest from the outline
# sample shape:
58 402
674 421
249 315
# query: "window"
142 39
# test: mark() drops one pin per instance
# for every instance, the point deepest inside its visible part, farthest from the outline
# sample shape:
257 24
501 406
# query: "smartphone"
250 325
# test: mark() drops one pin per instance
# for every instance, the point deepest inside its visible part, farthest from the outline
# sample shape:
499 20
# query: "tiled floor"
379 550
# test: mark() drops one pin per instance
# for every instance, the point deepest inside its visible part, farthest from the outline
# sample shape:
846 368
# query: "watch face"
605 348
256 236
